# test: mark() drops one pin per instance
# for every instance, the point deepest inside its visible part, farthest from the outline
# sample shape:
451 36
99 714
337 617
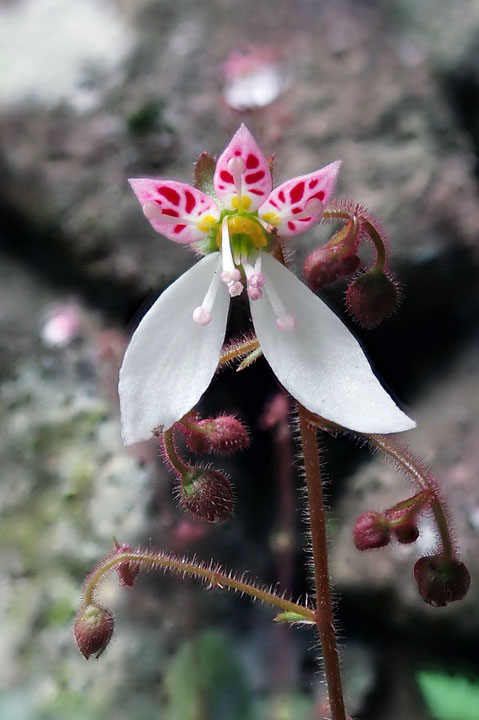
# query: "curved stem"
172 455
214 576
324 610
424 479
411 466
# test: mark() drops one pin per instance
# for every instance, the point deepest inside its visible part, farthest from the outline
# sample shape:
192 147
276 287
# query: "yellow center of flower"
241 225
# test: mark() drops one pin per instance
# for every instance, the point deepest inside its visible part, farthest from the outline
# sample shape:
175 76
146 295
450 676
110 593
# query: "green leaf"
450 697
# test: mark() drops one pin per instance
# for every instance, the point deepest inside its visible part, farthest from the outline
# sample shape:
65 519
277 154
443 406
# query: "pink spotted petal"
177 199
291 198
255 179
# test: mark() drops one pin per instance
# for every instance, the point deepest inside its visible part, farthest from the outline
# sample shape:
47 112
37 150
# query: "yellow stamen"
207 223
271 218
245 203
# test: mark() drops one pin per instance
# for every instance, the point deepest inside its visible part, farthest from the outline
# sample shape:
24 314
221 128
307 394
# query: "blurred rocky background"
95 91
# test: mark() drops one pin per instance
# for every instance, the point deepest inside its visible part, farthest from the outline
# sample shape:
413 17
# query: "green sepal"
250 359
204 172
292 617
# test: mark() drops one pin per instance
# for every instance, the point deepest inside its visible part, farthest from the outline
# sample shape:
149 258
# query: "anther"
202 313
201 316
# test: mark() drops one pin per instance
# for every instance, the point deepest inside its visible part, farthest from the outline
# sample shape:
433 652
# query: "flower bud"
371 531
127 571
371 298
441 580
93 629
224 435
325 265
207 494
406 533
404 528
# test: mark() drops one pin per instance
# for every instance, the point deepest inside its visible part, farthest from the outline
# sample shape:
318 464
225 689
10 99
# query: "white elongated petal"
319 361
171 359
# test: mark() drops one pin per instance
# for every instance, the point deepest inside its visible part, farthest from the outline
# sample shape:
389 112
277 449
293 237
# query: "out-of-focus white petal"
319 361
171 359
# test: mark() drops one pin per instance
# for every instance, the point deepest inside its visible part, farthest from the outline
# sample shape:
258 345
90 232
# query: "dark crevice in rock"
48 254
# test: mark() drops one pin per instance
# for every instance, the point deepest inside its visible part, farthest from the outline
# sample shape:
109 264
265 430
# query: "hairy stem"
238 349
411 466
424 479
324 610
172 455
215 577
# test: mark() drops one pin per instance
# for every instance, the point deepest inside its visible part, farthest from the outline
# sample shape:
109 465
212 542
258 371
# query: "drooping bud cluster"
93 629
441 580
207 494
375 529
222 435
372 297
202 491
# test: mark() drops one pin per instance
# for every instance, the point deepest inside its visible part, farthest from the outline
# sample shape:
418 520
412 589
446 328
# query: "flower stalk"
214 576
324 611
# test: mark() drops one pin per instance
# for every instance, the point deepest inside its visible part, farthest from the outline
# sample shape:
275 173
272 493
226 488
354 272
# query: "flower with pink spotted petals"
175 350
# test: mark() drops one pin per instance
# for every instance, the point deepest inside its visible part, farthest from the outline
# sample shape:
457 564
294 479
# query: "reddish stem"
324 610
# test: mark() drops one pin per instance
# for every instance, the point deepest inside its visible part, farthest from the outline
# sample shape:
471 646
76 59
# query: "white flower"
175 350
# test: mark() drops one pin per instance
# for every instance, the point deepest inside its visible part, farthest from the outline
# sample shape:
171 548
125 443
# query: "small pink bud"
371 298
441 580
224 435
371 531
207 494
227 435
93 629
127 571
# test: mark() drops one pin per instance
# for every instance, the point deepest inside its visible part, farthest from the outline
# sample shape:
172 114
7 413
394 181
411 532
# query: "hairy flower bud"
406 533
325 265
441 580
93 629
127 571
371 298
223 435
404 528
207 494
371 531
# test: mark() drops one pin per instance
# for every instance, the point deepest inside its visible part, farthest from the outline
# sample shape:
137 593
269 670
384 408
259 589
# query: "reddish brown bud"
371 531
224 435
325 265
406 533
93 629
441 580
127 571
371 298
207 494
404 528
